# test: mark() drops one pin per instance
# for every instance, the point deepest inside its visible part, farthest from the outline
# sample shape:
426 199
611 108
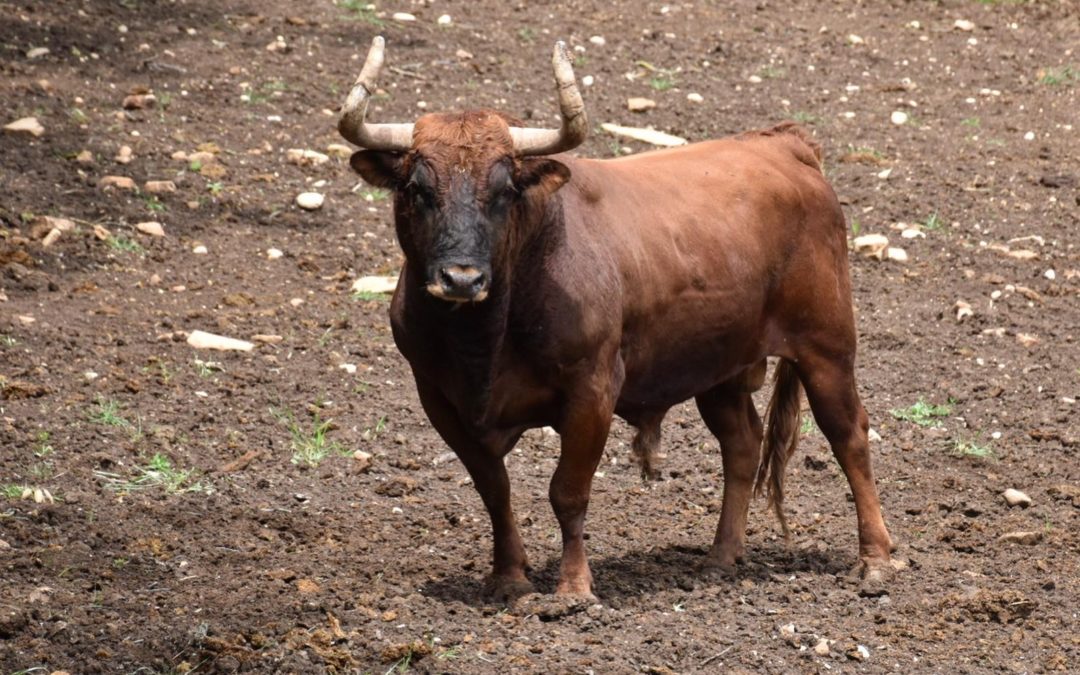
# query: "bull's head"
461 180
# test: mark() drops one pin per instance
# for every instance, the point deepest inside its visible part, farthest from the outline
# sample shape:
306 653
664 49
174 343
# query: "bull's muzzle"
460 283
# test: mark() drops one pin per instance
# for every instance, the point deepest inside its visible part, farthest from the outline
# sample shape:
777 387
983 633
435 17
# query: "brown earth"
260 563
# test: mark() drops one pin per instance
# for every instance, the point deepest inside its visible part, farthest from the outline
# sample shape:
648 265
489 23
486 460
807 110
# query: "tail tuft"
781 438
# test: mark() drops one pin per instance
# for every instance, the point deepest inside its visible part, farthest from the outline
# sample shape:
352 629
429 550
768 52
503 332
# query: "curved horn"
391 137
575 124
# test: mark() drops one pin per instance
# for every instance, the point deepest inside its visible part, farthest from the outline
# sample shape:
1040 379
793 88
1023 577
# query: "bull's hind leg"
646 444
484 461
829 380
729 412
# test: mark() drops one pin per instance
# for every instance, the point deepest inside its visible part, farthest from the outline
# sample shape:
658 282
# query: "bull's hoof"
506 589
874 576
717 570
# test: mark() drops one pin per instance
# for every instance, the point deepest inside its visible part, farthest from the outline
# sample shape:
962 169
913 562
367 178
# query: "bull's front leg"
584 429
483 458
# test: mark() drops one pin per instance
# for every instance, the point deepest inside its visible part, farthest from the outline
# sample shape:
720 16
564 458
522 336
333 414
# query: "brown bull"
540 291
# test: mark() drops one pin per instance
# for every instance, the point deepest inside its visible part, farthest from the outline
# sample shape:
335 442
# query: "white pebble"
273 253
444 20
754 79
1050 274
1016 498
588 81
695 97
898 117
598 40
199 250
964 25
404 17
1029 136
309 201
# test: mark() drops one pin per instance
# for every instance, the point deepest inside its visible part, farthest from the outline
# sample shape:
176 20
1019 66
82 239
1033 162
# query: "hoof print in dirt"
552 607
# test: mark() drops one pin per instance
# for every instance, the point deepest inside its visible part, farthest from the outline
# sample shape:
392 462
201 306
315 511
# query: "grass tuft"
922 413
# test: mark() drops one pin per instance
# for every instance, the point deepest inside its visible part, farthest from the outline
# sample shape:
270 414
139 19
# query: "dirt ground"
166 509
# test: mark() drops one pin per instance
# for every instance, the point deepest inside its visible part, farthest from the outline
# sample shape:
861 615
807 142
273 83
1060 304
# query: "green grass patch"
376 194
123 244
973 449
922 413
107 413
312 445
361 10
1061 75
158 472
933 223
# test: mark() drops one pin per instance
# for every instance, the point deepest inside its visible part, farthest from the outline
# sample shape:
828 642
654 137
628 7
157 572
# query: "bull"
542 289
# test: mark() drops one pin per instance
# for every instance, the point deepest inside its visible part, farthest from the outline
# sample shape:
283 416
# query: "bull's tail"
781 437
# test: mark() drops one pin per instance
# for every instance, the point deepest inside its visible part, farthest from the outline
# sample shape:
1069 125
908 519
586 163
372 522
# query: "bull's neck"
467 340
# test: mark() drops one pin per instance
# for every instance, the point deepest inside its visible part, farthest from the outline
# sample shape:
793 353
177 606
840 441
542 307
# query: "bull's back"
704 240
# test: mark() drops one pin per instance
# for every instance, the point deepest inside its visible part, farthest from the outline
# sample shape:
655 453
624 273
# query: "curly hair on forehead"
469 141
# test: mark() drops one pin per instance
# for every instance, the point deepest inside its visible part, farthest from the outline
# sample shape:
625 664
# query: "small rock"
139 101
694 97
445 20
1029 136
85 157
306 157
1021 537
273 253
896 254
787 630
27 126
348 368
339 150
463 55
50 238
854 39
152 228
964 25
1016 498
36 52
963 310
200 250
598 40
43 225
202 340
118 182
309 201
374 285
860 653
1027 340
912 233
403 17
363 460
123 155
101 232
639 104
156 187
899 117
873 436
754 79
267 339
822 647
1022 254
871 245
588 81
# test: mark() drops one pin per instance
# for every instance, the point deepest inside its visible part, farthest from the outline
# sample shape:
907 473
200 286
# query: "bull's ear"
541 176
381 169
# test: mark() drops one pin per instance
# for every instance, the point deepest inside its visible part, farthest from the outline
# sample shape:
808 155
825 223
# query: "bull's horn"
392 137
575 125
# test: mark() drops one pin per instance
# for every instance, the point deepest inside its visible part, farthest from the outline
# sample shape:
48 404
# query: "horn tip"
378 41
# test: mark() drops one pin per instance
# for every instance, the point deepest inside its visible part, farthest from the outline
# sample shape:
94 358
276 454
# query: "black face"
461 220
453 221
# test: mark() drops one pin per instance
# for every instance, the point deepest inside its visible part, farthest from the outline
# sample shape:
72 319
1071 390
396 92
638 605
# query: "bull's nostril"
462 281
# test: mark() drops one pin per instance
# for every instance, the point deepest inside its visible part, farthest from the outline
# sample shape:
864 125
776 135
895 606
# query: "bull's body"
664 274
561 291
